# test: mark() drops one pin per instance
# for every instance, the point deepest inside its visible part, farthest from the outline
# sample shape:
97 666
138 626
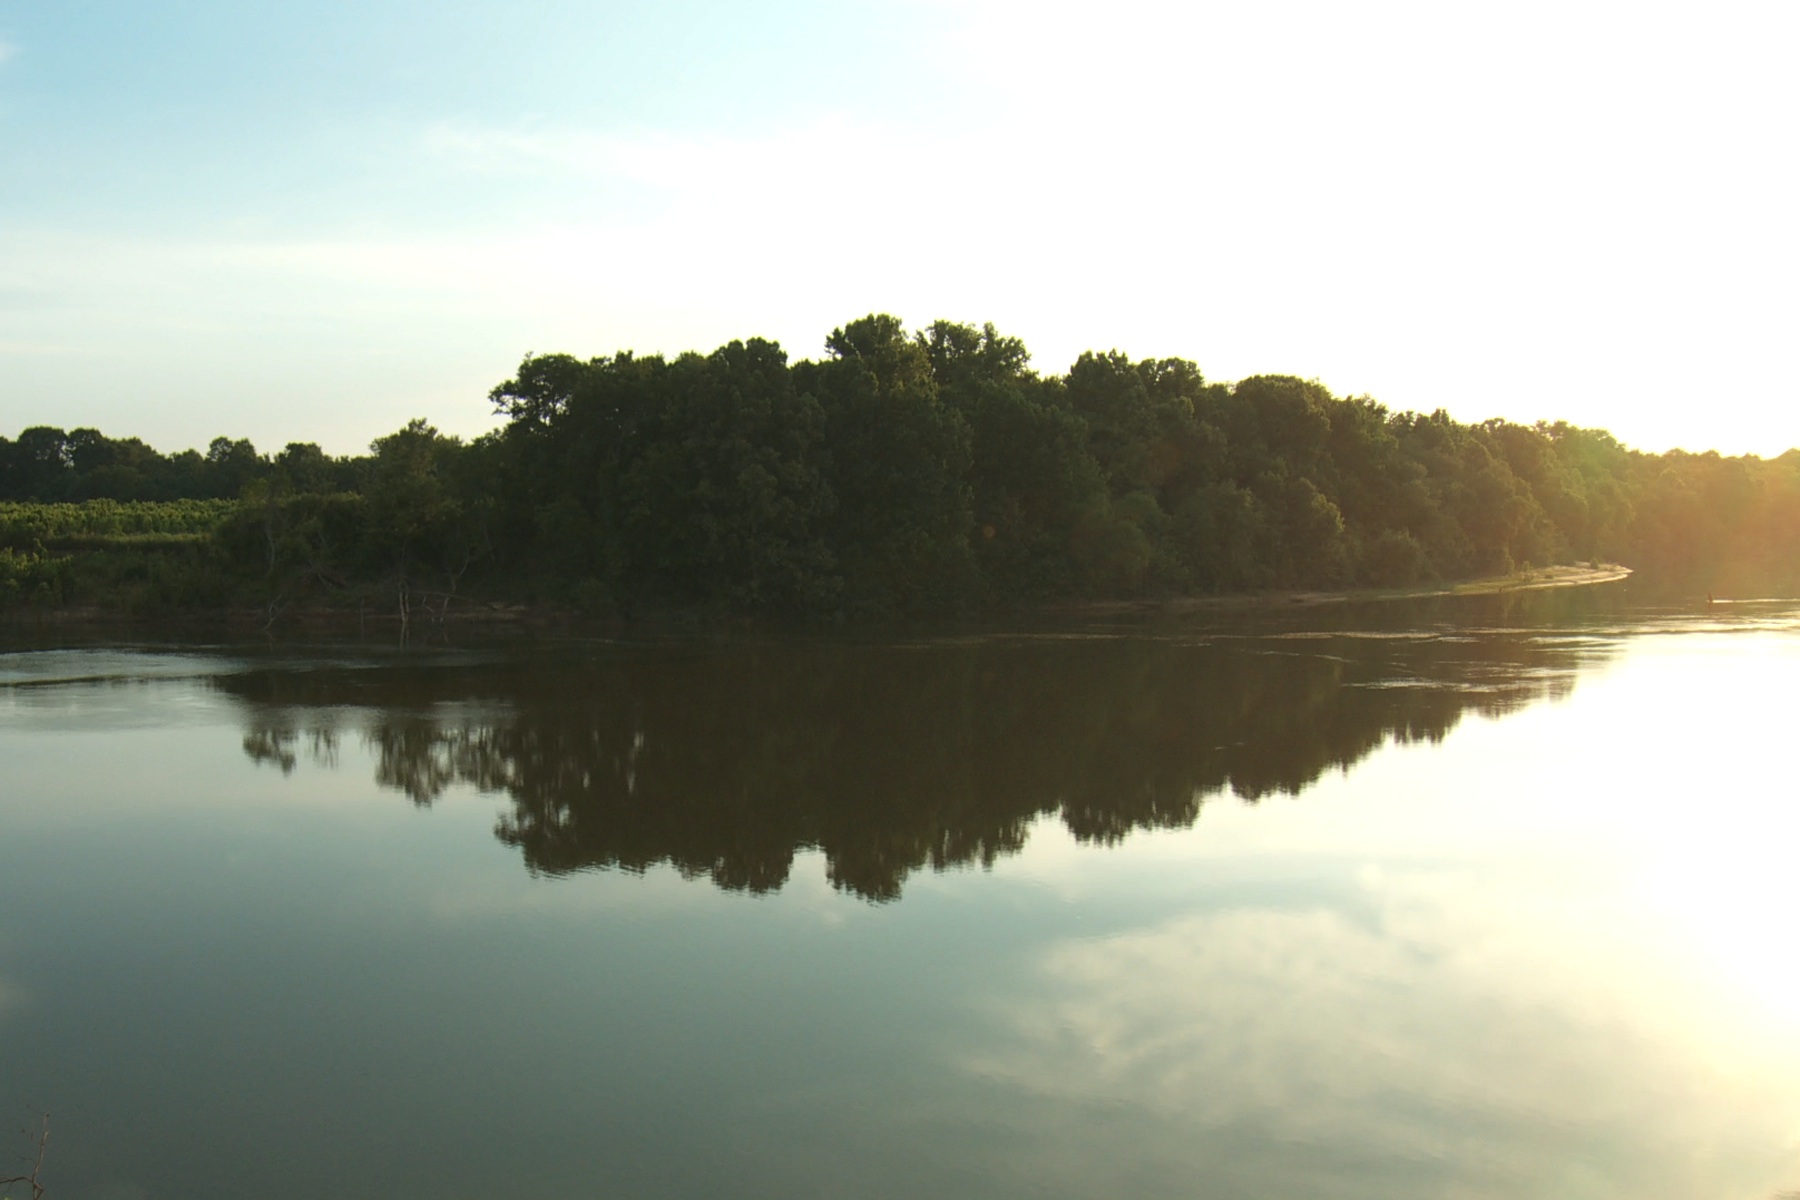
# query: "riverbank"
1537 579
437 612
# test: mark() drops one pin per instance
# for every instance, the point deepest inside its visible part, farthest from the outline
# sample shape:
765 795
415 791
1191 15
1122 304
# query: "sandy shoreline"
1538 579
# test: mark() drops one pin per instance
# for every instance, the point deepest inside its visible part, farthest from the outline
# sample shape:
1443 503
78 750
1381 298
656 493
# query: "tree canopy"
930 472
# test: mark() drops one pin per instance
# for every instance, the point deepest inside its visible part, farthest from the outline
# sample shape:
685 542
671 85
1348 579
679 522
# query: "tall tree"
899 463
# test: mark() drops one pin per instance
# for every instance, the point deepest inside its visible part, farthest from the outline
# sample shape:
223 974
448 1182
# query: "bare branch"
39 1142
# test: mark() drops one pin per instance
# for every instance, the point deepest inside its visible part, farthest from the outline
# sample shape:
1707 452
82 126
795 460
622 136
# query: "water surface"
1465 900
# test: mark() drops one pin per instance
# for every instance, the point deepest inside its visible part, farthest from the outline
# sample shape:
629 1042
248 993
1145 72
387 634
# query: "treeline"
933 472
49 465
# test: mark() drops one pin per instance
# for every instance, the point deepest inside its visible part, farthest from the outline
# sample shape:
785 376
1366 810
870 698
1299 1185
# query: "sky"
314 221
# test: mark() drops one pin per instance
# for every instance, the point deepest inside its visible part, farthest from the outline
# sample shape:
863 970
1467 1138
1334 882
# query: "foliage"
898 474
31 578
98 521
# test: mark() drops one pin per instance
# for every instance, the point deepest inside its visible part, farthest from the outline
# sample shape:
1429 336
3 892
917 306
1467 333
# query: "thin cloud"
650 158
7 50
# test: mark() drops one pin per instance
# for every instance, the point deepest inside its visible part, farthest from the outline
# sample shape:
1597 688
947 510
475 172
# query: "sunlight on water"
1589 937
1719 866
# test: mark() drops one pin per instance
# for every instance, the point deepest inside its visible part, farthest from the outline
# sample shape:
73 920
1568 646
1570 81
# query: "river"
1484 897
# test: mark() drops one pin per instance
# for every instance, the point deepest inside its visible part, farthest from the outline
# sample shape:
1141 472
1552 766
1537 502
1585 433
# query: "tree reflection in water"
725 761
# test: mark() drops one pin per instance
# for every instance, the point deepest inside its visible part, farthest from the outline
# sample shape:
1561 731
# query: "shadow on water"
725 761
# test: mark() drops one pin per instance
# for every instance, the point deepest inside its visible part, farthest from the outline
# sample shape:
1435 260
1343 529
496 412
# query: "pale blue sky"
313 221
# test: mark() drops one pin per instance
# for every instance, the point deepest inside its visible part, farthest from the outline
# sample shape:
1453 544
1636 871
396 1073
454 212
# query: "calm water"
1466 901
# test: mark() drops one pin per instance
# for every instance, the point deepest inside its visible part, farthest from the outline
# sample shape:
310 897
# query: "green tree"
899 463
417 524
231 466
724 496
1140 418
